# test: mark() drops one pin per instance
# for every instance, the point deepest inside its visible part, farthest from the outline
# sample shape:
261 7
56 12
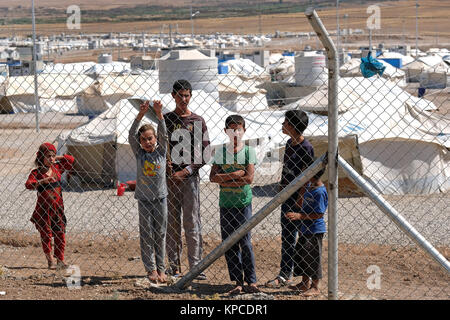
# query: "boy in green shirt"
233 169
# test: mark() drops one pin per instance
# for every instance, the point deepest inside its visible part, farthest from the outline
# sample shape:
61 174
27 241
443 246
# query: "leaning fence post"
333 77
298 182
401 222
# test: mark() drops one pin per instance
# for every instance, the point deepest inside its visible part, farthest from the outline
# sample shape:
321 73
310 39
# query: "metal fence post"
401 222
333 76
298 182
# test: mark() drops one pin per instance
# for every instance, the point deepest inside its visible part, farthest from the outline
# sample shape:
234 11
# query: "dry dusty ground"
396 16
112 269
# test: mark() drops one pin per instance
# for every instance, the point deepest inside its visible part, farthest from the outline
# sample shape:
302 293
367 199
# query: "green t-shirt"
235 197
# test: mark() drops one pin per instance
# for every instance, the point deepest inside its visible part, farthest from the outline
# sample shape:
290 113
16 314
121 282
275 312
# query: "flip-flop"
278 282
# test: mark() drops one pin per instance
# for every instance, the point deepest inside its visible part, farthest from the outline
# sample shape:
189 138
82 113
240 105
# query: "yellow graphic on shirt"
149 168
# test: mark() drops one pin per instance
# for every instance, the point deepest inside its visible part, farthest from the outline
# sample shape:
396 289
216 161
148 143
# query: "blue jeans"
240 257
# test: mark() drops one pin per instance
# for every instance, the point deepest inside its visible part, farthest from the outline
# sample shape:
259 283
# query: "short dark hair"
144 128
234 119
181 85
298 119
319 174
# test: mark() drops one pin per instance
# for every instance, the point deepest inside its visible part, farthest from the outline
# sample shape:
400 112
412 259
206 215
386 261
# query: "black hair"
298 119
319 174
181 85
234 119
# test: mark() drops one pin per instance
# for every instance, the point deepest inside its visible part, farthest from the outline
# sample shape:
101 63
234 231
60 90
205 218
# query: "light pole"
417 25
192 23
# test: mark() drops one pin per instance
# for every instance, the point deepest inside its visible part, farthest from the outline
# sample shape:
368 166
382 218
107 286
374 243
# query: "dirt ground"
111 269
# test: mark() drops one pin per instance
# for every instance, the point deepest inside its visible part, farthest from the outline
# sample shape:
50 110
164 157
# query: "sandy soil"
112 269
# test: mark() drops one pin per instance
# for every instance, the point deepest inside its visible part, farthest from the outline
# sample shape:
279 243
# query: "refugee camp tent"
240 95
436 77
57 93
109 89
403 147
357 92
352 69
104 154
414 69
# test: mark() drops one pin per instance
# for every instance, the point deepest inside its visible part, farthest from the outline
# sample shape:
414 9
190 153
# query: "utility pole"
259 18
36 93
417 27
143 43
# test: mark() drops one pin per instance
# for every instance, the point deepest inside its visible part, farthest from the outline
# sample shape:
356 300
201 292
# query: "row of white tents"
399 146
397 143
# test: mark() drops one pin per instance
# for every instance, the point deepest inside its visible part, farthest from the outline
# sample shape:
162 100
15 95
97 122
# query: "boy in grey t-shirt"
150 149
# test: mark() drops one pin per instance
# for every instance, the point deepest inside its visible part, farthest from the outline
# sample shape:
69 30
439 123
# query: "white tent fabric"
396 55
352 69
403 148
282 68
240 95
57 92
113 125
108 90
247 69
357 92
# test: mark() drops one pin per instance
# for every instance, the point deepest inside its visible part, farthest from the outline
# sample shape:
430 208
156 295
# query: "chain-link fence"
391 131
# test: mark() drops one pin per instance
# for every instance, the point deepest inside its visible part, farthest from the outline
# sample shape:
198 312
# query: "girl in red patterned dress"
48 216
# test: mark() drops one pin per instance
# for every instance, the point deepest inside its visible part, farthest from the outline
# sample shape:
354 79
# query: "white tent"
357 92
57 93
352 69
101 146
436 77
108 90
239 95
422 64
403 148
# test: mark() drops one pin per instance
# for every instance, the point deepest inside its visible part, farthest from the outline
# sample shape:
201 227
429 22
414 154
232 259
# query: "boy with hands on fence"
233 169
308 249
48 216
150 148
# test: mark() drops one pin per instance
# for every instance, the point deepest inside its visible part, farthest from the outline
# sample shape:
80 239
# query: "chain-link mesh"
396 140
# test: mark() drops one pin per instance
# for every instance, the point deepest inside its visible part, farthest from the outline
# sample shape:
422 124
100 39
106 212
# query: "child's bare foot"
302 286
153 276
236 290
162 277
311 292
51 263
251 288
61 264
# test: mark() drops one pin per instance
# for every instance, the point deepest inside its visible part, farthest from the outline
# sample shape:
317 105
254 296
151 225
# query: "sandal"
278 282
